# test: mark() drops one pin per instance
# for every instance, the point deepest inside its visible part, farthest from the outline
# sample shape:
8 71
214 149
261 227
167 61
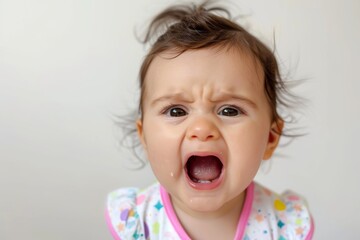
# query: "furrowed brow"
170 97
231 96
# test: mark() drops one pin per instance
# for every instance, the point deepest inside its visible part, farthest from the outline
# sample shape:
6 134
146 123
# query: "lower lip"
205 186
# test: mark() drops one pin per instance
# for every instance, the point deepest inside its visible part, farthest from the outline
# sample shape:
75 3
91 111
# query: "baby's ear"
139 128
274 138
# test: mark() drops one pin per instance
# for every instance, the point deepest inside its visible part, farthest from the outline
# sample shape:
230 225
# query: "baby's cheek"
165 162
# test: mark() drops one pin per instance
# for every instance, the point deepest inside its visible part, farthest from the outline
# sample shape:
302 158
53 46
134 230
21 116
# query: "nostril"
202 137
202 129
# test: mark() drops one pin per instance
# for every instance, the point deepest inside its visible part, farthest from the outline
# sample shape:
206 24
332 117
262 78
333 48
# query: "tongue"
204 168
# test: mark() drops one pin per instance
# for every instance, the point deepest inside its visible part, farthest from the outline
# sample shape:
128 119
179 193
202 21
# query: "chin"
205 203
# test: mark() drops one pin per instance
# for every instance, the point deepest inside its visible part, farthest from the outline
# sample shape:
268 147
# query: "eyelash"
166 110
239 110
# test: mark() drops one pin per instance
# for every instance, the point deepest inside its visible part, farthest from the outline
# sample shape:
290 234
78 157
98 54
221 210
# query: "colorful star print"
158 205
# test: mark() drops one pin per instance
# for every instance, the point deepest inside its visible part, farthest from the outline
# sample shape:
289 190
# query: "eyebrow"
176 96
218 98
228 96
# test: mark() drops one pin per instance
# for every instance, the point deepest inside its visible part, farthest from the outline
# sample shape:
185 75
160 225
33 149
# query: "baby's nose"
202 129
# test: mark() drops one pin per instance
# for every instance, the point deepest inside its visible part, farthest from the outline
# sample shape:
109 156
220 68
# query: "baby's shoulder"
284 216
126 209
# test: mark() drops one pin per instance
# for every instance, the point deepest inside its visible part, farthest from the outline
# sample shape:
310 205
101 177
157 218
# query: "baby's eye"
175 112
230 111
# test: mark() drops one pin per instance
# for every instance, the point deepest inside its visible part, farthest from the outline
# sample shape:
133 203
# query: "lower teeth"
204 181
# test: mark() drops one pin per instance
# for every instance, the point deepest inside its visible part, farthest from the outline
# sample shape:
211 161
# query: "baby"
209 101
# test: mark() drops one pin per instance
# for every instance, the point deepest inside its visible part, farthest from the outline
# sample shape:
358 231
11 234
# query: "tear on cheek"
203 169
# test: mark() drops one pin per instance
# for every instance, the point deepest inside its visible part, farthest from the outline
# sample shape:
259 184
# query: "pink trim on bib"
244 216
312 229
110 226
172 215
245 212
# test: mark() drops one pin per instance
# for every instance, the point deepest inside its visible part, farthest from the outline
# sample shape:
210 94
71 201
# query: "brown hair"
189 27
200 26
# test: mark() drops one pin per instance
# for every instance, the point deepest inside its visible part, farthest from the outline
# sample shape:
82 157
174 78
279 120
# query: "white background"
66 67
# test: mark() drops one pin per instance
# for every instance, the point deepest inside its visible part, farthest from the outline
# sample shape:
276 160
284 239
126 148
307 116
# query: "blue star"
136 235
158 205
280 224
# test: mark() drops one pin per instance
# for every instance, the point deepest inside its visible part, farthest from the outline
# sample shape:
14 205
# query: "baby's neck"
220 224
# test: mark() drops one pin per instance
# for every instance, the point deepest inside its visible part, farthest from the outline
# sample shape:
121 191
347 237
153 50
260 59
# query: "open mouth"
203 169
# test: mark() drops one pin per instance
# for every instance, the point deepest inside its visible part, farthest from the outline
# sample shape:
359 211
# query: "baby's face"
206 126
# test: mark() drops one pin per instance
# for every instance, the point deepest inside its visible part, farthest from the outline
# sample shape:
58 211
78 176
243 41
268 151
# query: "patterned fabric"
148 214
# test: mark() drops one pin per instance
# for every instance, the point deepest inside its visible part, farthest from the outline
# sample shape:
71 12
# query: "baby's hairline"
222 47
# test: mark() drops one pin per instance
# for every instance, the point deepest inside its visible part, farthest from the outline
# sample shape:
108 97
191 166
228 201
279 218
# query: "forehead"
219 68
